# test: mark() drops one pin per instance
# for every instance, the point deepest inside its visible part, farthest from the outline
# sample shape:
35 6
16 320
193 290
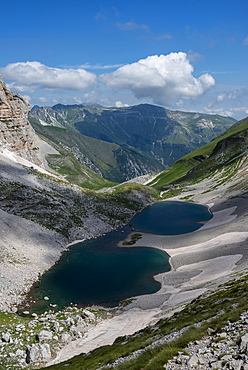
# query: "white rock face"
16 133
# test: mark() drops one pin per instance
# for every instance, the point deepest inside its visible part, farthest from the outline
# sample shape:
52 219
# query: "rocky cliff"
16 133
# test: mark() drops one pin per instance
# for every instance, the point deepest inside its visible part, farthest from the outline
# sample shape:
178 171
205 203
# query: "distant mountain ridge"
146 138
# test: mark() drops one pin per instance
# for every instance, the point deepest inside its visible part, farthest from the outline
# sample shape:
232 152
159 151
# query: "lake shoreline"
200 261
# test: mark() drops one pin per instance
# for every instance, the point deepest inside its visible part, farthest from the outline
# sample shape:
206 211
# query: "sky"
181 54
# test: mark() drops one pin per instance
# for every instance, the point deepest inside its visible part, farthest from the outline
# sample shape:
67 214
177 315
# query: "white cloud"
27 97
235 96
99 66
130 26
21 88
228 101
29 76
165 36
119 104
43 99
231 112
162 78
194 57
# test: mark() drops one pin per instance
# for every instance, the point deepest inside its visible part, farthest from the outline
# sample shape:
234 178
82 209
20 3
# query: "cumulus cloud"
29 76
231 112
162 78
119 104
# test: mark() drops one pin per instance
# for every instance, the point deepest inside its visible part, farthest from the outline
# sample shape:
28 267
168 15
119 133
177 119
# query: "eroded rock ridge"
16 133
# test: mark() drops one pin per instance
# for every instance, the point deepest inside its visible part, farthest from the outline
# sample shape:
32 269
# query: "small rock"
243 344
56 327
210 331
44 335
193 360
6 338
216 365
20 353
226 358
69 321
45 352
32 354
65 337
88 314
223 335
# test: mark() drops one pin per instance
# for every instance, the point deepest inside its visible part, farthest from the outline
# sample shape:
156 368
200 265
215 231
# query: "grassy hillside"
108 160
219 153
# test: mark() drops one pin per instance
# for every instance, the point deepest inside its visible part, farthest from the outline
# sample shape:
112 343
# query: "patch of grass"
134 238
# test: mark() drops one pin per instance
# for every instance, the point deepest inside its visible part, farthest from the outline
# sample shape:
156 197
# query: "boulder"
44 335
32 354
56 327
88 314
243 344
45 352
6 338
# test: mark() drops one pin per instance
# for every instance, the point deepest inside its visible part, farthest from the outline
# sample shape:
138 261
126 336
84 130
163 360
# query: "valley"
121 144
53 193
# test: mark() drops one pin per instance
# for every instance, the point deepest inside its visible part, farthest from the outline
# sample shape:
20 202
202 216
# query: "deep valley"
70 173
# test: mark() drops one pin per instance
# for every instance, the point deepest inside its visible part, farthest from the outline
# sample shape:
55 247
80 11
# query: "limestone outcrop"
16 133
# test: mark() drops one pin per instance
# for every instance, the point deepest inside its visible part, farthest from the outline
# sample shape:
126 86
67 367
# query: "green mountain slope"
225 151
69 161
138 140
108 160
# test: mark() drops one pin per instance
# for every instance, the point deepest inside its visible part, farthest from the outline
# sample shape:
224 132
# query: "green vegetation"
221 153
213 309
133 239
127 142
104 158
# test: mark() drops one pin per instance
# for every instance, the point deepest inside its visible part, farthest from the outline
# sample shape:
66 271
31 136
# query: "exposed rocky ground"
227 349
33 341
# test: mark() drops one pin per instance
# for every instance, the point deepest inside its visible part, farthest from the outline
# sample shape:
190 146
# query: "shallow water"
98 272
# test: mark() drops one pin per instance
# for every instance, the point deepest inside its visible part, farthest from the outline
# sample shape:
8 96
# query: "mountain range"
120 144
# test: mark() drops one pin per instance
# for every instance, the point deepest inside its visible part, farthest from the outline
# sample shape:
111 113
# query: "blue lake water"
98 272
171 218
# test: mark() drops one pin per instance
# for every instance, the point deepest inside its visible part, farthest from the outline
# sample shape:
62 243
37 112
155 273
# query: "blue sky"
182 54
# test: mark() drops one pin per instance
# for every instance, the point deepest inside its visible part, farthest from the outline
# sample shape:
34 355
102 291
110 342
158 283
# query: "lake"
97 272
